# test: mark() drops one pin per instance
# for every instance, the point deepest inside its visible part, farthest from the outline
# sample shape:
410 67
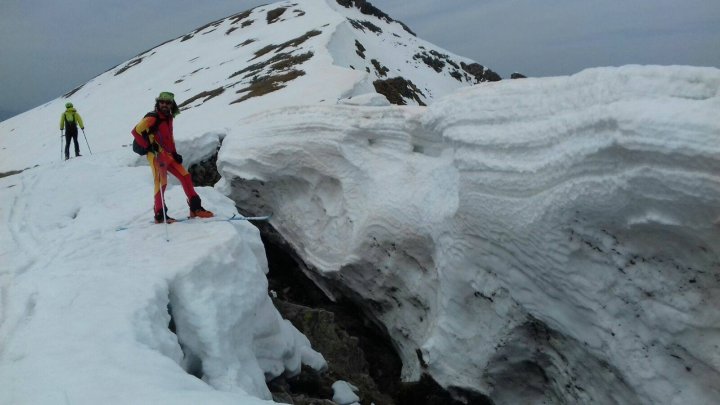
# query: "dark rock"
480 72
282 397
428 392
435 63
122 70
456 75
360 49
73 91
346 359
397 89
517 75
10 173
372 27
234 19
379 68
205 95
367 8
205 174
273 15
356 351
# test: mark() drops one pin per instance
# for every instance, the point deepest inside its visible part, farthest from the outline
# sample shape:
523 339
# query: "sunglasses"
164 102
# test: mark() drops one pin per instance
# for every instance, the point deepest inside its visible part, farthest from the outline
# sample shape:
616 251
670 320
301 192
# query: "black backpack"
136 146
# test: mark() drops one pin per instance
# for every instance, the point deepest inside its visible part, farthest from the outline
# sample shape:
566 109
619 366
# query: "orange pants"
161 165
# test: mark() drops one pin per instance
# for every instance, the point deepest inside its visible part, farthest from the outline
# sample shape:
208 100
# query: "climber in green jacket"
69 121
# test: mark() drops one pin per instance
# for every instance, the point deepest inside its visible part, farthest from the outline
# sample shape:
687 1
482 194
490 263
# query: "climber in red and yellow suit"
155 133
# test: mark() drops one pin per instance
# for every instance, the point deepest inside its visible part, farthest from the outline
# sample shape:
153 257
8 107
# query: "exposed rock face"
480 72
346 360
397 90
366 7
355 349
517 75
205 172
427 391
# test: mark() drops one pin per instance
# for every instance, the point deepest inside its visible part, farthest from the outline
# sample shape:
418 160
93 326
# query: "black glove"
177 157
153 147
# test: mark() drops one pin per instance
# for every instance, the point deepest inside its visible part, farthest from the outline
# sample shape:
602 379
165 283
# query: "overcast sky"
48 47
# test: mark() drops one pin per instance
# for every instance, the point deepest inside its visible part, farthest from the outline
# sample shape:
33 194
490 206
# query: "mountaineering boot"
159 217
196 209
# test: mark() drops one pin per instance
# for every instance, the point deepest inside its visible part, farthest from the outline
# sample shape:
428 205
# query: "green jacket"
71 115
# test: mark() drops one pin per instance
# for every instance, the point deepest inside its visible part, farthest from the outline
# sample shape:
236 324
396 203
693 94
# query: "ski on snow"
232 218
212 219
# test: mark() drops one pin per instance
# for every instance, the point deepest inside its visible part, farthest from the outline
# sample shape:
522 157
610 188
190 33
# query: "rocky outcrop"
397 89
366 7
204 173
480 72
355 348
346 359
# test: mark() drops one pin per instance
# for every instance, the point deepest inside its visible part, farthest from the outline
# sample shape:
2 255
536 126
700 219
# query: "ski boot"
196 209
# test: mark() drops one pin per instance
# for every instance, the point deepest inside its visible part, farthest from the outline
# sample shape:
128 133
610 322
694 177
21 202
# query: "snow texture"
86 309
344 393
550 239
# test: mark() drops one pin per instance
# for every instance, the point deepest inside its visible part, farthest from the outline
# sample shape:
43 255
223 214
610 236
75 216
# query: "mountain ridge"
257 59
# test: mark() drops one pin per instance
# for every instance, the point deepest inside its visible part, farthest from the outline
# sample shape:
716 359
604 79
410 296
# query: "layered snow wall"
535 240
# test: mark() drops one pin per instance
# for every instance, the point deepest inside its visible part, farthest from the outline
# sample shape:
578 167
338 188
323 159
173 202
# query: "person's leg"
159 171
77 146
183 176
194 202
67 144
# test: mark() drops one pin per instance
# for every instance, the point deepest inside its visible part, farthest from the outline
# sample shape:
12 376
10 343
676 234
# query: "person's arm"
141 131
62 121
78 119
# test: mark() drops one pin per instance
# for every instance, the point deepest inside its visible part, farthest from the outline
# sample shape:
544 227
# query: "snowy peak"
268 48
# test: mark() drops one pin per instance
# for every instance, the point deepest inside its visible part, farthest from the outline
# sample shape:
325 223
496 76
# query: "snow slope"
85 308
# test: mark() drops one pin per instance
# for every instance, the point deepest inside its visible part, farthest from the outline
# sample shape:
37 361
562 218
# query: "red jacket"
163 136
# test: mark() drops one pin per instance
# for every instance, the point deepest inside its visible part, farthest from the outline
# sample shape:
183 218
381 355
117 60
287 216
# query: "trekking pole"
86 141
61 145
162 196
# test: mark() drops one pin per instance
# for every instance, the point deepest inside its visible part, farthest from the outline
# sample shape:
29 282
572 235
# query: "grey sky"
48 47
